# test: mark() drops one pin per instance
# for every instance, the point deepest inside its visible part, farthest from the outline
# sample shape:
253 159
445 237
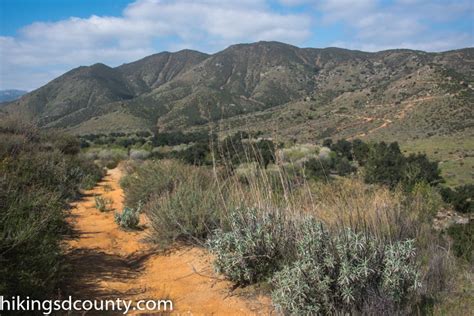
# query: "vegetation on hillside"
342 227
40 172
416 98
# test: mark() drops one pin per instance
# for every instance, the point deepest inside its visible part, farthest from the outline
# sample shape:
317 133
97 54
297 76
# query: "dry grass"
388 215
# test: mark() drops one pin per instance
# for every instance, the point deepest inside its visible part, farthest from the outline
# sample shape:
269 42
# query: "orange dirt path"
108 263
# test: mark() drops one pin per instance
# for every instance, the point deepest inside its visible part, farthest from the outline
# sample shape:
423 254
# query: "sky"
40 40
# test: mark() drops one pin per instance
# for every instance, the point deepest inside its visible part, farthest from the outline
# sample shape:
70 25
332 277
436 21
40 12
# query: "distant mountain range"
11 95
296 93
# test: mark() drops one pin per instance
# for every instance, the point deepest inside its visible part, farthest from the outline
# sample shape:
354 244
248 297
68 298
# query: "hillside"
422 100
301 93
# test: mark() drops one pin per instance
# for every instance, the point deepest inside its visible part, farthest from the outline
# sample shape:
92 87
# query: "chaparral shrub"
190 212
39 174
102 204
256 245
344 272
128 219
152 178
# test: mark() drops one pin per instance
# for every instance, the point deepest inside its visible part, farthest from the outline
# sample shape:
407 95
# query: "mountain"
11 95
283 90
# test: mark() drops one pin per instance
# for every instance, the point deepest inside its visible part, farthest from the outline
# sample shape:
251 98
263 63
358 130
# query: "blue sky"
39 40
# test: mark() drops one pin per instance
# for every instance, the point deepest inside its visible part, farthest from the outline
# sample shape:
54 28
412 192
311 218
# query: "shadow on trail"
90 270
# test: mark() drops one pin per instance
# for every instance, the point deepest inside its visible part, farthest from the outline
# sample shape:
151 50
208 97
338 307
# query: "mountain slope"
152 71
300 93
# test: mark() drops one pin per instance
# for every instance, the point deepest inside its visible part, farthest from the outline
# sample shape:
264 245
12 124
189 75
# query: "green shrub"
256 245
102 204
128 219
67 144
196 154
425 201
38 176
360 151
110 158
241 147
108 188
189 213
152 178
343 166
30 226
89 181
319 169
384 164
462 198
344 273
342 148
463 240
136 154
419 169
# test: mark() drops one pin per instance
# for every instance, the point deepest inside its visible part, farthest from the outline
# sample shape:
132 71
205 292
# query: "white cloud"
375 24
208 24
42 50
444 43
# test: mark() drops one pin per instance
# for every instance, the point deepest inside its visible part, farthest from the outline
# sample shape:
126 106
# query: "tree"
327 142
68 144
462 198
196 154
418 168
384 164
265 152
343 148
360 151
319 169
343 166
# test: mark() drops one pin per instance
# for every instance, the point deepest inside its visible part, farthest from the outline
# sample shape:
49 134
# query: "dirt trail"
408 105
109 263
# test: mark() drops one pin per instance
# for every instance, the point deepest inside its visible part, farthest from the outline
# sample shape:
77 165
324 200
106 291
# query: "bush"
152 178
38 176
343 166
128 219
327 142
102 204
342 148
463 240
419 169
344 273
139 154
67 144
196 154
319 169
255 246
176 138
384 164
461 198
110 158
189 213
360 151
30 227
240 148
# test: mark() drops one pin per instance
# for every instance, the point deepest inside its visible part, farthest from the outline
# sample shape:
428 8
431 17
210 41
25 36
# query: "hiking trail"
107 262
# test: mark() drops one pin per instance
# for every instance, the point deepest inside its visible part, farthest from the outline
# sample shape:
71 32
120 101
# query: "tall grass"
190 211
147 179
258 219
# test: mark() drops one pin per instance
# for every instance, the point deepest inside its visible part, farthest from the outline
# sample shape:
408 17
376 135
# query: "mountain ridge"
267 85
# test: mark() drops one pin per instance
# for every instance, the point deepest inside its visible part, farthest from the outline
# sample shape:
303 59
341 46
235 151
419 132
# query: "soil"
107 262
